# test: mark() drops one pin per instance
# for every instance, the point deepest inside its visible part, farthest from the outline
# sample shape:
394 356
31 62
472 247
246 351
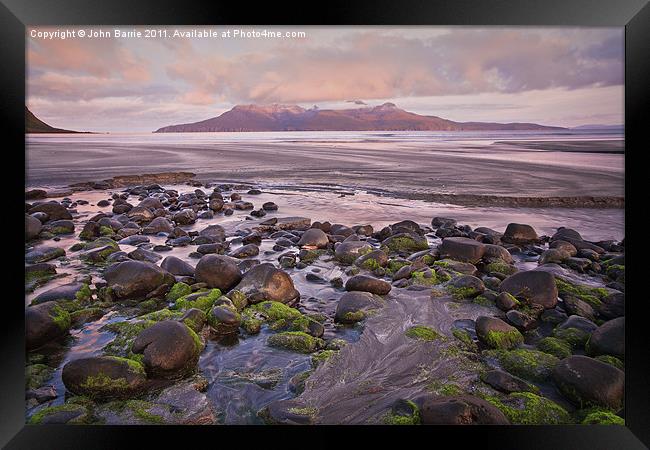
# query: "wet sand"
419 169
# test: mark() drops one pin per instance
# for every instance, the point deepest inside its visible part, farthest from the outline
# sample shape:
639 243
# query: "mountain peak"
273 108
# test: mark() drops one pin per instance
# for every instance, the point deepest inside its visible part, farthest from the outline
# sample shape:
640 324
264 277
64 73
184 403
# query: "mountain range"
386 117
35 125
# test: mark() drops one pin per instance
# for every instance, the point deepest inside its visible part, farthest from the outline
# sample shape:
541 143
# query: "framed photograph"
372 219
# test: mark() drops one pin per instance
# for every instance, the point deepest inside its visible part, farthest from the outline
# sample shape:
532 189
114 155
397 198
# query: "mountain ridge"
35 125
385 117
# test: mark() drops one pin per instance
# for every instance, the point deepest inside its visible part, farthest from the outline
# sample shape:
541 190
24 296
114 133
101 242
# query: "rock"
177 266
355 306
270 206
185 400
42 254
461 249
194 318
218 271
288 412
44 323
170 348
140 214
133 240
527 364
313 237
443 222
365 283
589 382
215 233
104 377
246 251
495 333
520 320
536 287
291 223
372 260
64 292
575 306
35 194
497 252
505 382
224 318
137 279
466 286
297 341
265 282
32 227
608 339
184 217
54 210
506 302
563 246
406 242
348 252
458 410
517 233
613 306
553 255
158 225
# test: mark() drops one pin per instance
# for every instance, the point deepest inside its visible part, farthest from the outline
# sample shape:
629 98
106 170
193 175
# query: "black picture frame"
634 15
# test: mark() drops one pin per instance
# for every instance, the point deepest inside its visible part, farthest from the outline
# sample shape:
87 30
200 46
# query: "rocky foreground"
453 325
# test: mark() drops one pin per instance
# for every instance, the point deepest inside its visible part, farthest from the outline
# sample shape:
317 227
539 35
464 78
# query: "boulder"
458 410
348 252
462 249
265 282
497 334
44 323
170 348
104 377
32 227
588 382
64 292
54 210
354 306
534 286
218 271
365 283
518 233
314 237
215 233
177 266
137 279
158 225
608 339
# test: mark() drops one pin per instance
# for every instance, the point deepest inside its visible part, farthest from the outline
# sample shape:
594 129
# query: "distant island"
386 117
35 125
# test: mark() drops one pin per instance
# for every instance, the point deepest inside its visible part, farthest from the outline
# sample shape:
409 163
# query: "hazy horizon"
563 77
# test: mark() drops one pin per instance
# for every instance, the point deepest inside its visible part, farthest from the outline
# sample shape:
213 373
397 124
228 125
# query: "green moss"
86 314
612 361
197 340
601 417
354 316
394 265
464 337
460 293
61 230
554 346
177 291
574 336
309 256
84 293
297 341
126 332
36 375
276 310
370 264
593 296
419 278
251 325
528 364
445 388
106 231
141 408
103 384
500 266
306 411
38 417
406 243
504 340
61 318
483 301
238 299
203 302
422 333
161 314
526 408
322 356
404 419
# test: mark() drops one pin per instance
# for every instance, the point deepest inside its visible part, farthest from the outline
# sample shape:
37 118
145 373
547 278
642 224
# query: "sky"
553 76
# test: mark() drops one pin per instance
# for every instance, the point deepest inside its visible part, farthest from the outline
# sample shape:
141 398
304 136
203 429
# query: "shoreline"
124 181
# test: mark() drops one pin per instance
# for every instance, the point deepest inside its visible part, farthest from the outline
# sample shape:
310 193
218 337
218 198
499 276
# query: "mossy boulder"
104 377
296 341
266 282
466 286
554 346
403 412
170 348
366 283
527 364
495 333
282 317
137 280
203 300
405 243
462 249
44 323
458 410
372 261
218 271
355 306
602 417
423 333
224 318
347 252
608 339
177 291
526 408
534 286
68 413
590 295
